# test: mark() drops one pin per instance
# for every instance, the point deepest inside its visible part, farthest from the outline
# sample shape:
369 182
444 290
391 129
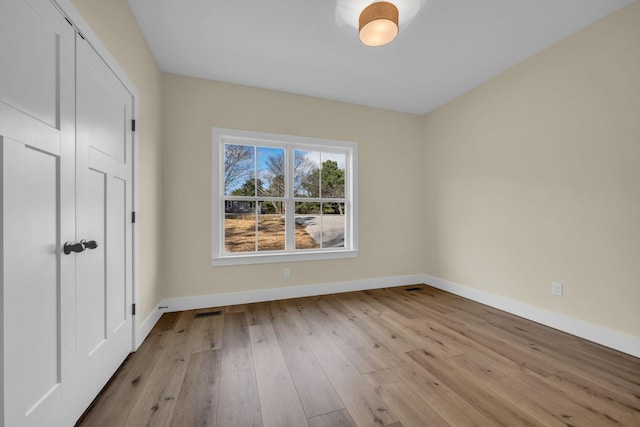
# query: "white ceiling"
444 48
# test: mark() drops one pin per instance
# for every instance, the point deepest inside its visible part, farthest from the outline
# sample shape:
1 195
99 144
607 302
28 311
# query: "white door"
38 215
104 113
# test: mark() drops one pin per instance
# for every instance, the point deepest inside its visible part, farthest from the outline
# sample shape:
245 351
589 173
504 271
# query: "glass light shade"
378 24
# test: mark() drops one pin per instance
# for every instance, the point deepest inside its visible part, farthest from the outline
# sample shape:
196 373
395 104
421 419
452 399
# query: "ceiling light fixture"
378 24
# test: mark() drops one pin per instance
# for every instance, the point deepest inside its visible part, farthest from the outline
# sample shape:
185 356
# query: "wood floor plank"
611 356
368 319
528 392
356 298
197 403
239 308
424 296
350 342
339 418
625 377
258 314
429 338
460 304
238 403
447 403
410 409
116 402
492 405
316 393
454 303
401 304
599 387
591 396
168 321
378 344
524 353
544 358
279 402
156 402
358 396
210 332
569 347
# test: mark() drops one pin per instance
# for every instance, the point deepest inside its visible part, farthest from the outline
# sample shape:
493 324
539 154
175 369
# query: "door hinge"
133 217
133 309
133 125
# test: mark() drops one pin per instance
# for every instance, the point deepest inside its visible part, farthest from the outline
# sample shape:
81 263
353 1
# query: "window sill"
270 258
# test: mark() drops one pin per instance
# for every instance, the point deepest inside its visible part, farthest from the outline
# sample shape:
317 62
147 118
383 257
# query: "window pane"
271 175
239 170
332 175
306 181
271 226
333 225
307 225
239 226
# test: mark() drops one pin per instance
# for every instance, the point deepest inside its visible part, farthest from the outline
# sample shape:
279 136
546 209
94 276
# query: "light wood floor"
390 357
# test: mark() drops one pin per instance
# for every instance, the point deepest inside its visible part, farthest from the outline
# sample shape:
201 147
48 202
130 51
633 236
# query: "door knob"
72 247
89 244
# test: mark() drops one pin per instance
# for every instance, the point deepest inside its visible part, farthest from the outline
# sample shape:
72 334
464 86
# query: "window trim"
222 135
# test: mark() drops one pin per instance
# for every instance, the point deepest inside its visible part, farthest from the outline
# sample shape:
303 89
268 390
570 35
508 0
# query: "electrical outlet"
556 288
286 272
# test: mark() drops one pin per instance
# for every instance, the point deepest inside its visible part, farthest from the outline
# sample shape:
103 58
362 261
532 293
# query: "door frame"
69 11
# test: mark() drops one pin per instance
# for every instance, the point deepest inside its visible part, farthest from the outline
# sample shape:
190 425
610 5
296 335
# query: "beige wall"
118 30
389 181
534 177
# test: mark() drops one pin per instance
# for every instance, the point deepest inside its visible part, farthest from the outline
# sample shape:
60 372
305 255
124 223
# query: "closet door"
38 215
104 111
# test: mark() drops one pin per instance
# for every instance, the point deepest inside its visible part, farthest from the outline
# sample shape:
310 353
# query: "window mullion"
256 219
290 230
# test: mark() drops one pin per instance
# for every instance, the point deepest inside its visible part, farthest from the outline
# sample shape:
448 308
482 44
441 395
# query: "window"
281 198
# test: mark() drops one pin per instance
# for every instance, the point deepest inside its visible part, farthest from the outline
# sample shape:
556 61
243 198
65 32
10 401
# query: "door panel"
92 283
41 283
32 286
117 237
104 170
29 46
37 201
104 121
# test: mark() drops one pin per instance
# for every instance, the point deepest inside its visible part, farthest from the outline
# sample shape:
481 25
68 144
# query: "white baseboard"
608 337
272 294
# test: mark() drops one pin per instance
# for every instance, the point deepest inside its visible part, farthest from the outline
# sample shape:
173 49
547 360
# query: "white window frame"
220 136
